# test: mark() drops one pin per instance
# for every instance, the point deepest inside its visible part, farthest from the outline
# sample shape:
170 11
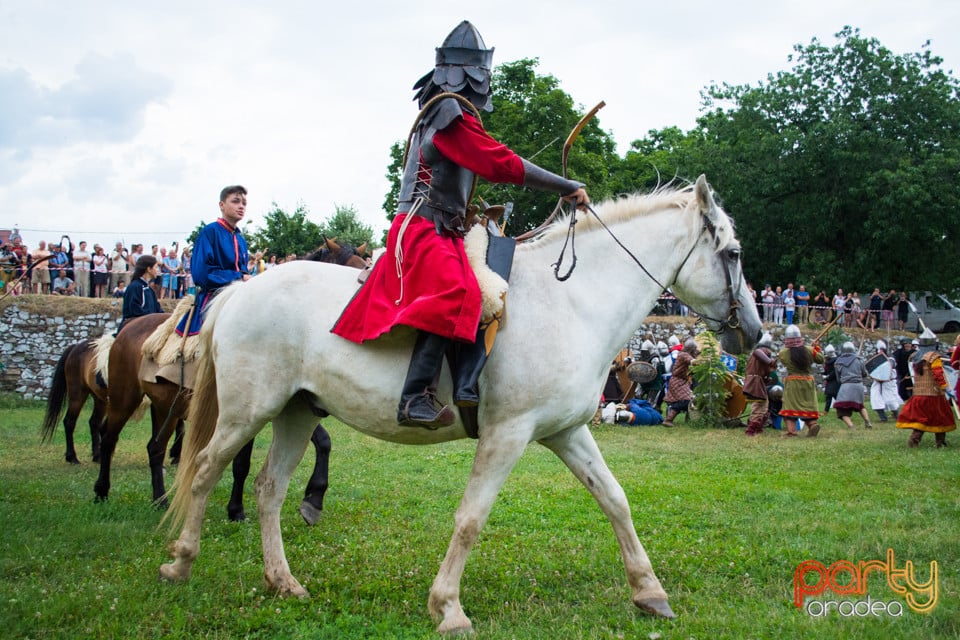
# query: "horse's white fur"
541 383
102 350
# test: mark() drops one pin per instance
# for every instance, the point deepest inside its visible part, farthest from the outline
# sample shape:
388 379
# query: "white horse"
541 384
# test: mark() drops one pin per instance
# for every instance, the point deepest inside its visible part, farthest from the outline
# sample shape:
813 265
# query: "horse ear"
704 196
362 249
332 244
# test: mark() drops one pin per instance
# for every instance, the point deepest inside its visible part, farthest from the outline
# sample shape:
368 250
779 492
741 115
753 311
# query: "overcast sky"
123 120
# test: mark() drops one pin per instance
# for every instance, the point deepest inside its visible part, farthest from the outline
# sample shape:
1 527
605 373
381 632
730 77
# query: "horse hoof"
237 516
656 606
174 461
169 574
99 499
310 513
456 628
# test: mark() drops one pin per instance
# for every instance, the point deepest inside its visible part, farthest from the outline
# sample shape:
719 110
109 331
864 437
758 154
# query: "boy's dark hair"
229 191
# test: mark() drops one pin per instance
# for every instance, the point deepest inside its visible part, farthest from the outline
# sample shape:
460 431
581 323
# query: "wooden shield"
737 401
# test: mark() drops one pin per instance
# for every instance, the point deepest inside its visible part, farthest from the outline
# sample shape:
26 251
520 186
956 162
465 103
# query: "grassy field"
726 519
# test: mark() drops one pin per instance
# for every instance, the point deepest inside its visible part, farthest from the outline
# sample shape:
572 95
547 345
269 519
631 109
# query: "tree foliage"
839 172
283 233
347 228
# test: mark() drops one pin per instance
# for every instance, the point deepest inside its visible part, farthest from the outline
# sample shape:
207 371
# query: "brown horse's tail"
58 394
201 423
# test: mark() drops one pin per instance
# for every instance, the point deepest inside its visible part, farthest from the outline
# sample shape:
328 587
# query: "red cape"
438 292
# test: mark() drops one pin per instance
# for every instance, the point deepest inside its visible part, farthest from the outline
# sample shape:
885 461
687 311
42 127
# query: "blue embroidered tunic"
219 258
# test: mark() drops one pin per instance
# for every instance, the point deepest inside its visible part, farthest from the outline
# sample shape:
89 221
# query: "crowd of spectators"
62 268
796 306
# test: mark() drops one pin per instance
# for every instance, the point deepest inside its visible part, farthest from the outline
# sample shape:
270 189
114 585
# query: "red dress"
928 409
438 291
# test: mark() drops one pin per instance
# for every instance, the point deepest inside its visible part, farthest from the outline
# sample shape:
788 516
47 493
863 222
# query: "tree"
285 233
346 228
532 116
839 172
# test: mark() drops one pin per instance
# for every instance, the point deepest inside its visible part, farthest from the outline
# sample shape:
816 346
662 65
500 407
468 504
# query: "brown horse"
167 409
75 380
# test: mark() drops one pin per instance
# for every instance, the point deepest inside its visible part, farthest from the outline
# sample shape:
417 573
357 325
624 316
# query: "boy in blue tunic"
219 255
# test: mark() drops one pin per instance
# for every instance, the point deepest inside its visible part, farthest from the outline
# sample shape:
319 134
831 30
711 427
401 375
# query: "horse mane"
629 206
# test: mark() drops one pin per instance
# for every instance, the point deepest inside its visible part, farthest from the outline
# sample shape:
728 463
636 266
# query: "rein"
732 320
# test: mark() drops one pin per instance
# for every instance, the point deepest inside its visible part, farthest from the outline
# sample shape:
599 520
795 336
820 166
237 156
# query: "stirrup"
429 418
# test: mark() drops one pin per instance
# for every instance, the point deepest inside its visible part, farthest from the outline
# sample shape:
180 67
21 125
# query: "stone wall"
36 330
33 342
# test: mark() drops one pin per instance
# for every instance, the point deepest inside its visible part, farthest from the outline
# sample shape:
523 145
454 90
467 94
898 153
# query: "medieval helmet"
848 347
690 346
830 350
766 340
793 331
881 345
673 341
927 338
647 347
662 348
775 392
463 66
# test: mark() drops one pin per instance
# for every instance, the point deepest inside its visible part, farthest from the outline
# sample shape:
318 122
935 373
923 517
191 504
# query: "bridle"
732 321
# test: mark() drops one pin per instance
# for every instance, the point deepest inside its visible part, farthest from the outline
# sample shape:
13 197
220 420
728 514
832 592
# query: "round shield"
879 368
641 372
736 400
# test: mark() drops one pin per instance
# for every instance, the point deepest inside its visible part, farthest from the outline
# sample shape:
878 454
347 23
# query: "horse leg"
156 450
491 466
177 444
291 432
226 442
579 451
312 503
74 407
241 469
97 425
122 404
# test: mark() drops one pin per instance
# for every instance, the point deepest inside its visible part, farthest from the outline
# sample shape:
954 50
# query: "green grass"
725 519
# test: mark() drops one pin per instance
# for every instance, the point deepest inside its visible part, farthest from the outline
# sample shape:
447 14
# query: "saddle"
168 355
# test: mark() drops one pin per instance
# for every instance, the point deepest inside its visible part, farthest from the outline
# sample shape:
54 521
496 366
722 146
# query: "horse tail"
57 397
201 417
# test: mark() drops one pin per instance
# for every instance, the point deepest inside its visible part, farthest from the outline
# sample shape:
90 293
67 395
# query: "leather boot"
419 406
914 441
941 439
882 414
671 414
466 363
791 429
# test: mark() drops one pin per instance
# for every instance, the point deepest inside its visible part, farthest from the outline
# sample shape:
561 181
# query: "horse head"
710 279
338 253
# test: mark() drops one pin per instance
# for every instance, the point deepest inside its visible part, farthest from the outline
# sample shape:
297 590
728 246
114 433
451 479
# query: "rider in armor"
426 282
